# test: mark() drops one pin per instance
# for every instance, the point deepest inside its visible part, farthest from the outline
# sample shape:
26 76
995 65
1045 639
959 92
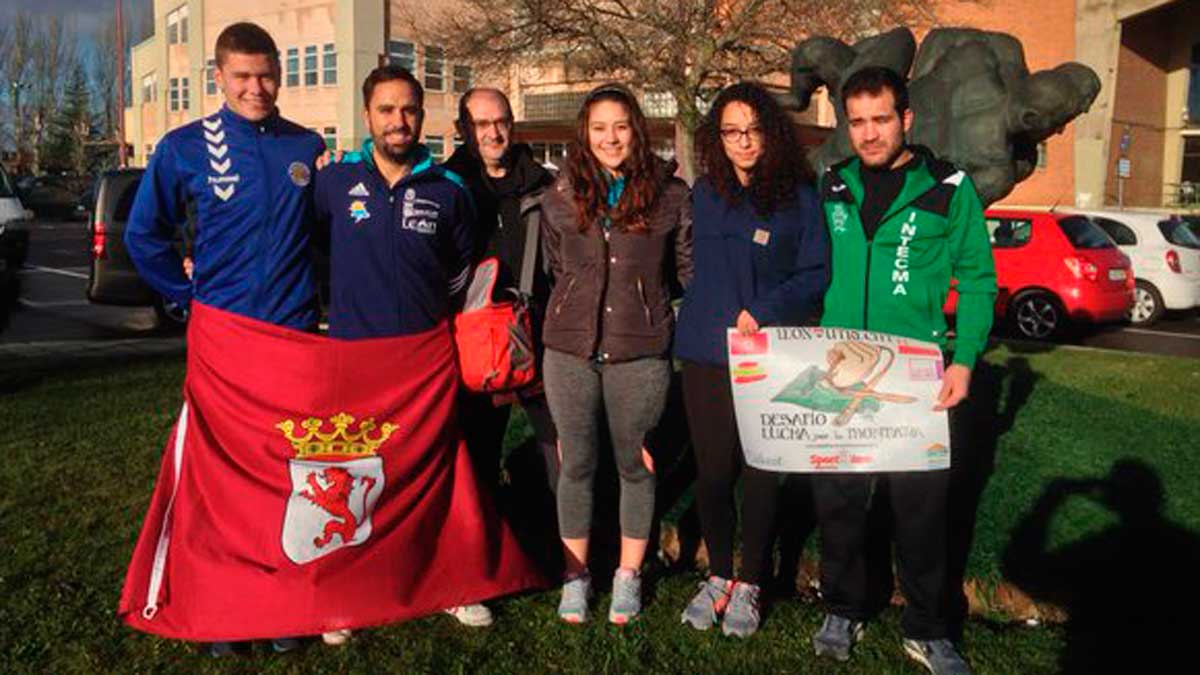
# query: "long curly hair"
782 166
589 180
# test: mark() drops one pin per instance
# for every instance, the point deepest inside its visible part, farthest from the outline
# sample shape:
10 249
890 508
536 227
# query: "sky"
87 15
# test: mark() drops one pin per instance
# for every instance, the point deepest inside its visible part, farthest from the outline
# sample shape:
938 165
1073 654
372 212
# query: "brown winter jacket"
611 294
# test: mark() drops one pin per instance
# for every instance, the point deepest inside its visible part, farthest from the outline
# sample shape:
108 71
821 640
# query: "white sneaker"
475 615
337 638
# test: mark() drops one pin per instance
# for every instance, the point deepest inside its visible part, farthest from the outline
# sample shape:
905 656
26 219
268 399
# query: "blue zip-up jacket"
397 254
250 183
777 268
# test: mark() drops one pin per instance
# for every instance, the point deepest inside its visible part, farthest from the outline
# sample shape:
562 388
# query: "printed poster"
838 400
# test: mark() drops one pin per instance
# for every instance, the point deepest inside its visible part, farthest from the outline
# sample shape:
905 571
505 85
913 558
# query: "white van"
10 207
1166 260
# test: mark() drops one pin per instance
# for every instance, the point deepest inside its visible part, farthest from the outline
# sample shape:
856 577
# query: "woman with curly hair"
617 229
761 258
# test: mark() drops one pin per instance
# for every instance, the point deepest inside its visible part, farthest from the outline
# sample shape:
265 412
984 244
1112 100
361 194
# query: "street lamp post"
18 131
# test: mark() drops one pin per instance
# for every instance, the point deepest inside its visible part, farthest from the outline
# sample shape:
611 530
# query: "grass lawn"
82 450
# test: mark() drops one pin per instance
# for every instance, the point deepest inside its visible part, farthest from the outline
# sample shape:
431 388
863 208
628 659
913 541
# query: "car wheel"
1147 304
171 316
1037 316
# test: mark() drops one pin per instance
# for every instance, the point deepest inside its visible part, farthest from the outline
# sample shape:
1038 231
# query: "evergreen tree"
70 126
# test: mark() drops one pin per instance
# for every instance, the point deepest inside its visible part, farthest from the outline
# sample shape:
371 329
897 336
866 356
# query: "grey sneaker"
741 616
709 602
626 596
837 635
576 592
938 656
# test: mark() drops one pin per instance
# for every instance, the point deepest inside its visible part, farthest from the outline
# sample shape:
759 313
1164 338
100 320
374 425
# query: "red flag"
313 484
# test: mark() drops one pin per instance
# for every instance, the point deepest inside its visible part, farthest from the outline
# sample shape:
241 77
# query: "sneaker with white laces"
337 638
837 635
476 616
708 603
742 616
939 657
626 596
576 592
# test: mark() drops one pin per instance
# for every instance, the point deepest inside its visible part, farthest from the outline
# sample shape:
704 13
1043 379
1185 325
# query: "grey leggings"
633 395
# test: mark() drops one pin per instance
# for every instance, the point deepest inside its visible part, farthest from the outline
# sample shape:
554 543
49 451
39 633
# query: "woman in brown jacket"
617 235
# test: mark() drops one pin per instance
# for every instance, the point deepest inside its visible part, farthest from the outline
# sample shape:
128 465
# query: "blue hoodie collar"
231 118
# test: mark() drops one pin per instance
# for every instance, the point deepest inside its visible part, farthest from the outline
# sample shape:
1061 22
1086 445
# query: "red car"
1053 268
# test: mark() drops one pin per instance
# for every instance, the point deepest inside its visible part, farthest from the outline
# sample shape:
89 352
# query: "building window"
149 90
173 95
210 80
329 65
293 67
557 106
458 141
185 94
177 26
403 54
462 79
330 137
149 152
659 104
1190 170
310 66
1041 155
437 147
435 68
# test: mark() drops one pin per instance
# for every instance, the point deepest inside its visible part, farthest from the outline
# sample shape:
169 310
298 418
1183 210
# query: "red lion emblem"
335 499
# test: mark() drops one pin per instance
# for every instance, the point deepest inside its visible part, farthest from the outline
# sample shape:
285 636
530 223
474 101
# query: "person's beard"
401 154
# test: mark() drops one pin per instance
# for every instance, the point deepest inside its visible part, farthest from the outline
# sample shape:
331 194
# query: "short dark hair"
245 38
873 80
391 73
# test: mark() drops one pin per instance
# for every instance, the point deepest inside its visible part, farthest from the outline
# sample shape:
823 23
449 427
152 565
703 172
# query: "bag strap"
533 230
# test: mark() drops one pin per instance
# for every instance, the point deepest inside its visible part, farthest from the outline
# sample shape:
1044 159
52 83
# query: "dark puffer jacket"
611 294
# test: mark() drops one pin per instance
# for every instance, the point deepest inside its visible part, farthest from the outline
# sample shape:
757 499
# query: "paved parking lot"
52 308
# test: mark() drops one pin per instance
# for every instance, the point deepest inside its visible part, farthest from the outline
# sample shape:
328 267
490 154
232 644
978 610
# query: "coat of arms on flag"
336 480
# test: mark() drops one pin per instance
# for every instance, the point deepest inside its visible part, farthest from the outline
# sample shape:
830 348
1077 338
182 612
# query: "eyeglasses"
735 135
502 123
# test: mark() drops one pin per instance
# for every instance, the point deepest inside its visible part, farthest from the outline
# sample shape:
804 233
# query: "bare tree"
104 79
687 48
53 53
14 69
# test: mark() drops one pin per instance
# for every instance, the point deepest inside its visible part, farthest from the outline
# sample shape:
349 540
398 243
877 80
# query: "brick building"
1147 53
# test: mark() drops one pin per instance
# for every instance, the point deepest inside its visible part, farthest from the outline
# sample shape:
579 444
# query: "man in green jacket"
902 224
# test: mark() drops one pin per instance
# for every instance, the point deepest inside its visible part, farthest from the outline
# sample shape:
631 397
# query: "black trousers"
917 502
484 424
708 400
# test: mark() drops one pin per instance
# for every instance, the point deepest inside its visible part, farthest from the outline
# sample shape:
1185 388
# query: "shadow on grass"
998 392
1131 590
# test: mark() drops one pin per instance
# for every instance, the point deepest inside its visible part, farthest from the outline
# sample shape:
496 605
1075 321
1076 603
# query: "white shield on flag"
330 506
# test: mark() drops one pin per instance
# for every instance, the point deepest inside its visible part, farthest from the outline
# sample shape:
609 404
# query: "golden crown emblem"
339 443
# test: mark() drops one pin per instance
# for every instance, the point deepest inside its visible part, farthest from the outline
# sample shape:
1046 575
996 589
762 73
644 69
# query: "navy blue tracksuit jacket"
776 267
397 255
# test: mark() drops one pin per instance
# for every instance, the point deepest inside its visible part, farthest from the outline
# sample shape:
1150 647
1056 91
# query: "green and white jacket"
897 282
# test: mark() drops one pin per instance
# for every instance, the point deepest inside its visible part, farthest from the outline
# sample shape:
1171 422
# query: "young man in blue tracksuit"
400 231
247 172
